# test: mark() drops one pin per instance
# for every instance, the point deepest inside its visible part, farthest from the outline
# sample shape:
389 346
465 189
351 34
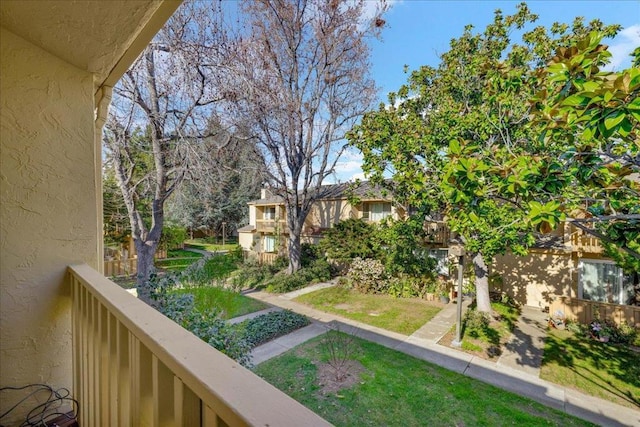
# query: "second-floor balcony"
132 366
271 225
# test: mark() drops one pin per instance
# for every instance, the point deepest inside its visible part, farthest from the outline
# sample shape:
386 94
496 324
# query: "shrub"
318 271
475 323
406 286
249 275
368 276
173 237
269 326
309 254
349 239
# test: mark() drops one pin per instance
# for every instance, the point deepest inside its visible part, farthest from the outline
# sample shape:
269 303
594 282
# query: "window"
269 243
376 211
269 212
442 258
603 281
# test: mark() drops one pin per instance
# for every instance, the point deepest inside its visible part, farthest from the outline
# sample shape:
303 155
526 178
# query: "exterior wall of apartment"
326 213
49 213
534 279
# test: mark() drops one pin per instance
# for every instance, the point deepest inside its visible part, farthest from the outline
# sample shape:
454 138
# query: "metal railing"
132 366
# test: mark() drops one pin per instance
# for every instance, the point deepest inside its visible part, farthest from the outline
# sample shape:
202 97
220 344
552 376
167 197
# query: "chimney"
265 193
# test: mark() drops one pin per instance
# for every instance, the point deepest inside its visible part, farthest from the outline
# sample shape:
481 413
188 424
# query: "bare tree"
161 109
301 77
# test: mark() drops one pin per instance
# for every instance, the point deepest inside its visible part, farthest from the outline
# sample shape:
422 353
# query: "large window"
376 211
603 281
269 243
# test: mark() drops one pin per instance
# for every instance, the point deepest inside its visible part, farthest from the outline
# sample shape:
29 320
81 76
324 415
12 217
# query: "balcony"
437 232
132 366
586 243
271 225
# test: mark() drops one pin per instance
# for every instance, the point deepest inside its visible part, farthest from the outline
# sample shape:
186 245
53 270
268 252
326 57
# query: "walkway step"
285 343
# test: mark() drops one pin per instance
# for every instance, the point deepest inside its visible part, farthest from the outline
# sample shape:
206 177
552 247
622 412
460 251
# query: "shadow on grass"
617 360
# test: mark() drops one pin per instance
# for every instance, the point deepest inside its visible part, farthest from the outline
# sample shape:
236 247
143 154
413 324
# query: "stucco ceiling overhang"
102 37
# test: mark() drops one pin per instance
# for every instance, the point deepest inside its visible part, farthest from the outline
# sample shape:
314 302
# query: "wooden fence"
584 311
127 267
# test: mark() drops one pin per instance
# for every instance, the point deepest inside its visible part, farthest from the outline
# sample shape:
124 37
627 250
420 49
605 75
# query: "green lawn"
395 389
403 315
232 304
181 253
212 246
603 370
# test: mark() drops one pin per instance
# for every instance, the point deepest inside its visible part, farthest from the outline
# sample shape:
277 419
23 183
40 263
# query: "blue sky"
419 30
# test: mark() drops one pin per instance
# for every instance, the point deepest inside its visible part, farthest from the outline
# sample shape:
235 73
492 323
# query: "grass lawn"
181 253
175 264
232 304
394 389
603 370
403 315
486 340
208 245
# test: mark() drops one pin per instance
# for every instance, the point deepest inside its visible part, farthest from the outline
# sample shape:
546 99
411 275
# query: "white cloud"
622 46
349 167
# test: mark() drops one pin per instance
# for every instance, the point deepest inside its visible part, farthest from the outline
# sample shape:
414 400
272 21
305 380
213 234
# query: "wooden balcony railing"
437 232
585 243
132 366
270 225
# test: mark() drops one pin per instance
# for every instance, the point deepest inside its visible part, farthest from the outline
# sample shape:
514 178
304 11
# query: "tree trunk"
483 300
295 252
146 252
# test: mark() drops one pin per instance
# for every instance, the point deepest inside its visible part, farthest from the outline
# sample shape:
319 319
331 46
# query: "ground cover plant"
404 315
485 335
605 370
230 304
270 326
386 387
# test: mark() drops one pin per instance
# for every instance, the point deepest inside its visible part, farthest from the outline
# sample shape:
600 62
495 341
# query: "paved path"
525 348
441 323
506 375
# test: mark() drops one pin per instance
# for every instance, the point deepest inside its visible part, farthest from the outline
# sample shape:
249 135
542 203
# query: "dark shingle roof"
363 190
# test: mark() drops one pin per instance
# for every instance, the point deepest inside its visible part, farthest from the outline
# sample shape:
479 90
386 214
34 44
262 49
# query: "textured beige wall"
533 279
48 210
326 213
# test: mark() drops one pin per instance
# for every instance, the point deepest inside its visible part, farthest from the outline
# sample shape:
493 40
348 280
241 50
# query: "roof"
363 190
246 228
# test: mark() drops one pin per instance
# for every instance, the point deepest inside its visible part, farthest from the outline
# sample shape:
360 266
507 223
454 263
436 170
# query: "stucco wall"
533 279
326 213
48 209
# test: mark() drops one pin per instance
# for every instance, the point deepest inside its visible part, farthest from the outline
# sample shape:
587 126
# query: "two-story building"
267 230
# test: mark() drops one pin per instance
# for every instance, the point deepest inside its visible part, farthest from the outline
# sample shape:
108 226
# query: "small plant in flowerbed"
606 331
485 334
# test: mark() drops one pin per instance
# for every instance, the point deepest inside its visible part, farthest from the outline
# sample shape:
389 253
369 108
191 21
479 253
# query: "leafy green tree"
457 139
597 114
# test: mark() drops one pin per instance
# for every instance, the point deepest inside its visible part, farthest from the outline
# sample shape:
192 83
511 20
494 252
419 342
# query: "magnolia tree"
301 79
458 139
160 112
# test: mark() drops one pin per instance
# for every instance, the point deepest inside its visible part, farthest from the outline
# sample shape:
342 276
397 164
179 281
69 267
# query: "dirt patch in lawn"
327 378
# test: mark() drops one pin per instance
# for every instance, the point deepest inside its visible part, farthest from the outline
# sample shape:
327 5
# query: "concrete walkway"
511 374
525 349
